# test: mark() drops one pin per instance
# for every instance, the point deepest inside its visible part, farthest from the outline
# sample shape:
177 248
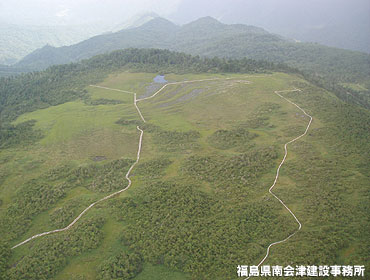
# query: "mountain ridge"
209 37
135 21
18 41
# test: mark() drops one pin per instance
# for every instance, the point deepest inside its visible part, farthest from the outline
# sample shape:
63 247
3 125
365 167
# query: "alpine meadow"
200 151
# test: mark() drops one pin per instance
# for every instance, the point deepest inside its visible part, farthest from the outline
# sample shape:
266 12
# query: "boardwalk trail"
128 172
138 158
277 177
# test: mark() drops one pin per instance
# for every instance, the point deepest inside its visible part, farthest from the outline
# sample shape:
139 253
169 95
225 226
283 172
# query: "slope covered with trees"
208 37
18 41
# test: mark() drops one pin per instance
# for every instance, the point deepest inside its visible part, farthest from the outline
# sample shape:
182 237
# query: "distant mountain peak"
48 46
205 21
159 23
208 19
136 21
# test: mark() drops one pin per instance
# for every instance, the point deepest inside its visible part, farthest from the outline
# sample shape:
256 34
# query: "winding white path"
277 176
138 158
128 172
92 204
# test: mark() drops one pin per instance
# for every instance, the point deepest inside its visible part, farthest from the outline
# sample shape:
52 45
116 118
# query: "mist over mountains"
208 37
35 23
337 23
18 41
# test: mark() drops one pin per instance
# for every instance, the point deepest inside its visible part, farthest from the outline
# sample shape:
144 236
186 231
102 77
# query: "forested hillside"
18 41
208 37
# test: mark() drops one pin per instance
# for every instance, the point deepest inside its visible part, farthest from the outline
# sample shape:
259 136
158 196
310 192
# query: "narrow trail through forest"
128 172
277 177
138 158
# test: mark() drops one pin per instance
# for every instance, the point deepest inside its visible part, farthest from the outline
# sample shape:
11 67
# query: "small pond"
159 79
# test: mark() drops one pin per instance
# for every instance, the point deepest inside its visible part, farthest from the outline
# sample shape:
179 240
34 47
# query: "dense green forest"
6 71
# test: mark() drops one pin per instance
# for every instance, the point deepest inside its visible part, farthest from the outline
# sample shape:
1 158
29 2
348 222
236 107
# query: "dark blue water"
159 79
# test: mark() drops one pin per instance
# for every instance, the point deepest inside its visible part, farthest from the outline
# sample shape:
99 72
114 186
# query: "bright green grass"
99 93
74 132
134 82
72 119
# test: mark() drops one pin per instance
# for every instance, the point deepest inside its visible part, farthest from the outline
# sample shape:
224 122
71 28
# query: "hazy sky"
257 12
44 12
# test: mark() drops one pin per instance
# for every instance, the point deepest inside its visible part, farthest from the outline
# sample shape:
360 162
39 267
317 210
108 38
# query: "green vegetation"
325 66
59 84
103 101
239 169
225 139
160 272
20 134
123 121
199 202
63 216
123 266
6 71
176 140
40 194
5 254
107 178
33 198
51 253
153 169
189 230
